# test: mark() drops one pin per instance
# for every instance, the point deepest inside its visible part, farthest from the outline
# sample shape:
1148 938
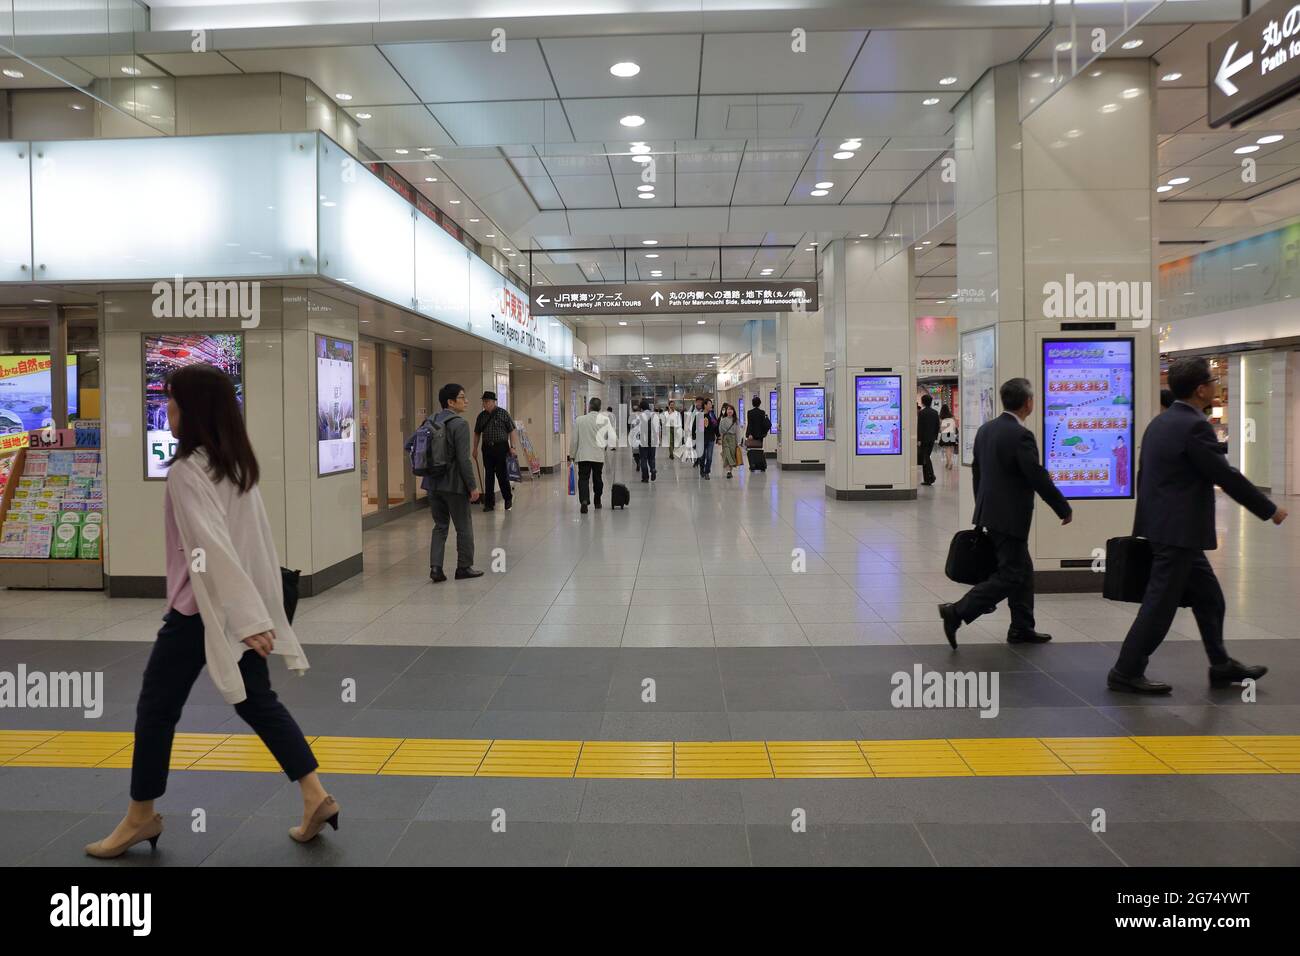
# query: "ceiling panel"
760 160
670 65
783 115
33 78
763 189
576 165
114 65
910 159
507 121
626 185
1178 109
587 192
662 152
666 117
918 59
361 71
880 186
1185 54
470 70
193 64
407 126
764 62
895 114
702 156
704 189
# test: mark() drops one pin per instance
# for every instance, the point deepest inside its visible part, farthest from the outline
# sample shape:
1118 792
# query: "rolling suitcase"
619 496
757 460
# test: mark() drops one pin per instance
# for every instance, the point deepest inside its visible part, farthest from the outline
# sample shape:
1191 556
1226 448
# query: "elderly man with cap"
495 428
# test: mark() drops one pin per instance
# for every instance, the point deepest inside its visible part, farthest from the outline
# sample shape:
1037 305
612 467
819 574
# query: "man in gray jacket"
451 494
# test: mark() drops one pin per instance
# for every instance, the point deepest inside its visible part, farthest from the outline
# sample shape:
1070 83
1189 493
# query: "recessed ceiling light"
1034 76
490 235
1270 138
13 74
926 242
639 149
363 116
633 120
1163 189
948 81
130 71
430 179
652 255
1131 44
851 144
1063 47
699 322
1170 77
1073 133
843 154
918 248
1131 92
42 301
825 185
642 159
645 195
622 323
401 152
1095 73
473 220
819 192
1109 108
645 189
930 101
1179 180
76 106
657 273
399 331
625 69
426 149
1242 150
343 96
864 235
649 242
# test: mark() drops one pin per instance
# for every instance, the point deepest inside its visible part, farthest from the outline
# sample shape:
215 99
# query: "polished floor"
748 659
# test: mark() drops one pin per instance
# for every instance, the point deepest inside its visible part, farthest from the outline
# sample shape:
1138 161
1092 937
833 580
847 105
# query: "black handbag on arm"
972 558
290 581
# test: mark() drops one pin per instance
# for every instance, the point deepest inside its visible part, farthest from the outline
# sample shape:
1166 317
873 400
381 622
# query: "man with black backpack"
450 481
757 427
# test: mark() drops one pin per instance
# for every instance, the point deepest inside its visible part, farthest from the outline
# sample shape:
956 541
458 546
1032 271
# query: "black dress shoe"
462 573
1027 637
584 507
1135 685
951 621
1234 672
597 504
509 504
436 575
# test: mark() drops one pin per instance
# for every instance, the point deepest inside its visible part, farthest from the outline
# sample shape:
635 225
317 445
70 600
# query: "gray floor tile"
472 799
179 845
609 844
456 843
1199 844
24 833
1016 844
662 801
265 841
878 844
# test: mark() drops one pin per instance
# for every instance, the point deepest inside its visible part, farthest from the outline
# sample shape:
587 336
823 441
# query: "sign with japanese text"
641 298
1255 64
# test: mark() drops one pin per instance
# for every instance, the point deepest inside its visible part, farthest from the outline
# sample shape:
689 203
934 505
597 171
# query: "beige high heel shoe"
150 831
327 811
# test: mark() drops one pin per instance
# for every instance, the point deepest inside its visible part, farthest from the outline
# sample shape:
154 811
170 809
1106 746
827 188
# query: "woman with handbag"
225 598
728 432
947 435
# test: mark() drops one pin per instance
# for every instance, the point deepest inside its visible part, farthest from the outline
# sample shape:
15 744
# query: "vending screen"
1087 407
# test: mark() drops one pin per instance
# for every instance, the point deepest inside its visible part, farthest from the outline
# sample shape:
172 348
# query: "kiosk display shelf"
52 518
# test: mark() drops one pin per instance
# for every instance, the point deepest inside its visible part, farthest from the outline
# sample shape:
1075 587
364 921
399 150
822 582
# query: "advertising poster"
979 387
1088 416
774 406
573 404
25 393
828 405
162 353
555 409
503 390
878 404
335 422
810 414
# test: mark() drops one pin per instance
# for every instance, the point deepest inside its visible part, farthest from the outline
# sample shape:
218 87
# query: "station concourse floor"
522 693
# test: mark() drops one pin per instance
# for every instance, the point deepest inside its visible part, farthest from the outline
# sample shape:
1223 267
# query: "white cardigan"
239 590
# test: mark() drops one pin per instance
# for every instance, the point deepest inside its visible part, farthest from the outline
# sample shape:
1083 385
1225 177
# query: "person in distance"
1007 472
451 493
591 435
1181 462
927 433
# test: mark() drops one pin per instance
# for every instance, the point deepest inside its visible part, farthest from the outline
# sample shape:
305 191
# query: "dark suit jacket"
757 424
927 426
1181 462
1007 471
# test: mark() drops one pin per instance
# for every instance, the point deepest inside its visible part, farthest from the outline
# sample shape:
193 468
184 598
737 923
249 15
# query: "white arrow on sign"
657 297
1227 69
542 300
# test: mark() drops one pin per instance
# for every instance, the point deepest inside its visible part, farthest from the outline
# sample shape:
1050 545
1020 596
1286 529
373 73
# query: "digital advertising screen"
878 407
774 407
810 414
979 386
503 390
162 353
336 425
555 409
1088 416
26 396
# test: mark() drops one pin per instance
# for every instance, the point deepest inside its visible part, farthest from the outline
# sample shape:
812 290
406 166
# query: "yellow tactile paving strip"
666 760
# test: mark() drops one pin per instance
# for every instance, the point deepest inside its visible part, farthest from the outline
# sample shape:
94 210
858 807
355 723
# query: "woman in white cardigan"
225 604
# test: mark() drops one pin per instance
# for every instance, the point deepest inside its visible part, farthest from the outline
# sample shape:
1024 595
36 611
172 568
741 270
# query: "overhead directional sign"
639 298
1255 64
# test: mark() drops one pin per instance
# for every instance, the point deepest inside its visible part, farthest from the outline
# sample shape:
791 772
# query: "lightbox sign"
163 353
810 414
1254 64
1088 416
774 403
637 298
335 418
878 407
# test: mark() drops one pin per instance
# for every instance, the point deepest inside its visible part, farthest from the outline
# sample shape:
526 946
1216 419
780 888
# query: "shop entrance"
395 396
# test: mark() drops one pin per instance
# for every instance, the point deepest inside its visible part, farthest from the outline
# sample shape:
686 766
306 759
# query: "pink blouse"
180 595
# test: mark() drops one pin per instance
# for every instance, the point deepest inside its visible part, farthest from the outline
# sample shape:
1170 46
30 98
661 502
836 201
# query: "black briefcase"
972 558
1128 569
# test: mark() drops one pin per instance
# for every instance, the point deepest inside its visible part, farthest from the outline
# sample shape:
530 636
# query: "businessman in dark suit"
1007 472
927 433
1181 462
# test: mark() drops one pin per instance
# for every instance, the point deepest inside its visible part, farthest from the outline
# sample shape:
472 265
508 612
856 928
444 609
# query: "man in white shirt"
592 434
646 434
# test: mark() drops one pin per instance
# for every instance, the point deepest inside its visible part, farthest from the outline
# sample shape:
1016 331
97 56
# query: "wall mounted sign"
1255 64
639 298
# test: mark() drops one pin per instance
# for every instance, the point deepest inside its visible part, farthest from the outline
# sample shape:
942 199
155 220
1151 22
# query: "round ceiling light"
652 255
647 188
930 101
633 120
338 96
649 242
1270 138
851 144
948 81
1243 150
843 154
645 195
625 69
363 116
1131 92
401 152
642 159
1131 44
819 192
133 71
1170 77
1179 180
639 149
430 179
1109 108
1163 189
825 185
13 74
1064 47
